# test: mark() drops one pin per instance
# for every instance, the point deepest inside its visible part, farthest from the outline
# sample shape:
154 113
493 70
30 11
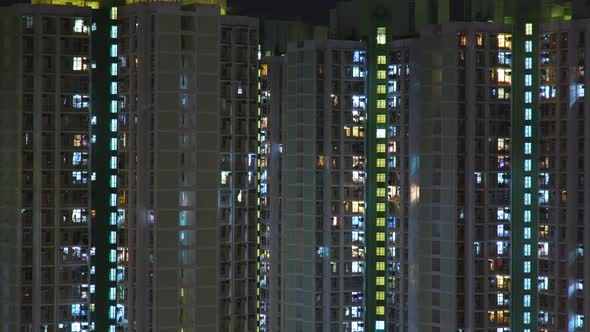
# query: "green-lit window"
114 31
381 163
114 50
381 36
113 144
113 88
113 237
380 251
380 281
381 177
381 118
114 125
113 162
380 192
112 312
114 69
113 200
380 148
381 60
112 293
113 275
113 256
113 217
113 106
381 89
113 181
380 236
380 266
380 207
380 222
381 74
380 310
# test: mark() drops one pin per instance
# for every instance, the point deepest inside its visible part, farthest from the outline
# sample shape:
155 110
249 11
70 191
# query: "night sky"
309 10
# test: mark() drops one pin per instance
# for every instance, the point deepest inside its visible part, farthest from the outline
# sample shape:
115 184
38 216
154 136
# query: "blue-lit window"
527 233
528 148
527 216
528 97
113 181
528 46
579 321
527 165
114 125
114 69
113 237
528 63
527 199
113 162
527 181
113 200
113 106
113 144
528 80
528 131
113 218
526 317
113 256
528 114
112 312
112 293
113 275
527 267
500 247
527 249
114 50
527 300
114 31
113 88
527 283
581 90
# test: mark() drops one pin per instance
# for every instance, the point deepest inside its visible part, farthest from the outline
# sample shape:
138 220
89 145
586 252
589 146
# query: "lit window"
113 144
114 50
113 275
380 148
527 283
500 299
380 221
79 25
381 74
113 162
380 296
113 181
113 69
77 63
381 89
380 251
114 13
527 233
380 266
527 181
380 207
380 281
381 118
528 148
528 114
381 162
381 60
527 216
526 318
113 106
528 46
380 133
380 236
380 192
528 131
528 29
528 80
380 310
527 165
113 88
527 267
528 97
113 237
381 36
527 199
500 247
112 311
528 63
114 31
527 249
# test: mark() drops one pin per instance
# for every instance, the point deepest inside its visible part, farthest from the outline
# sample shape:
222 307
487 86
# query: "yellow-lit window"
380 296
347 131
380 251
381 118
381 163
264 70
380 192
479 40
504 40
381 74
380 266
380 148
380 281
462 40
114 13
381 89
380 310
381 36
381 103
529 29
380 207
380 222
381 60
380 236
